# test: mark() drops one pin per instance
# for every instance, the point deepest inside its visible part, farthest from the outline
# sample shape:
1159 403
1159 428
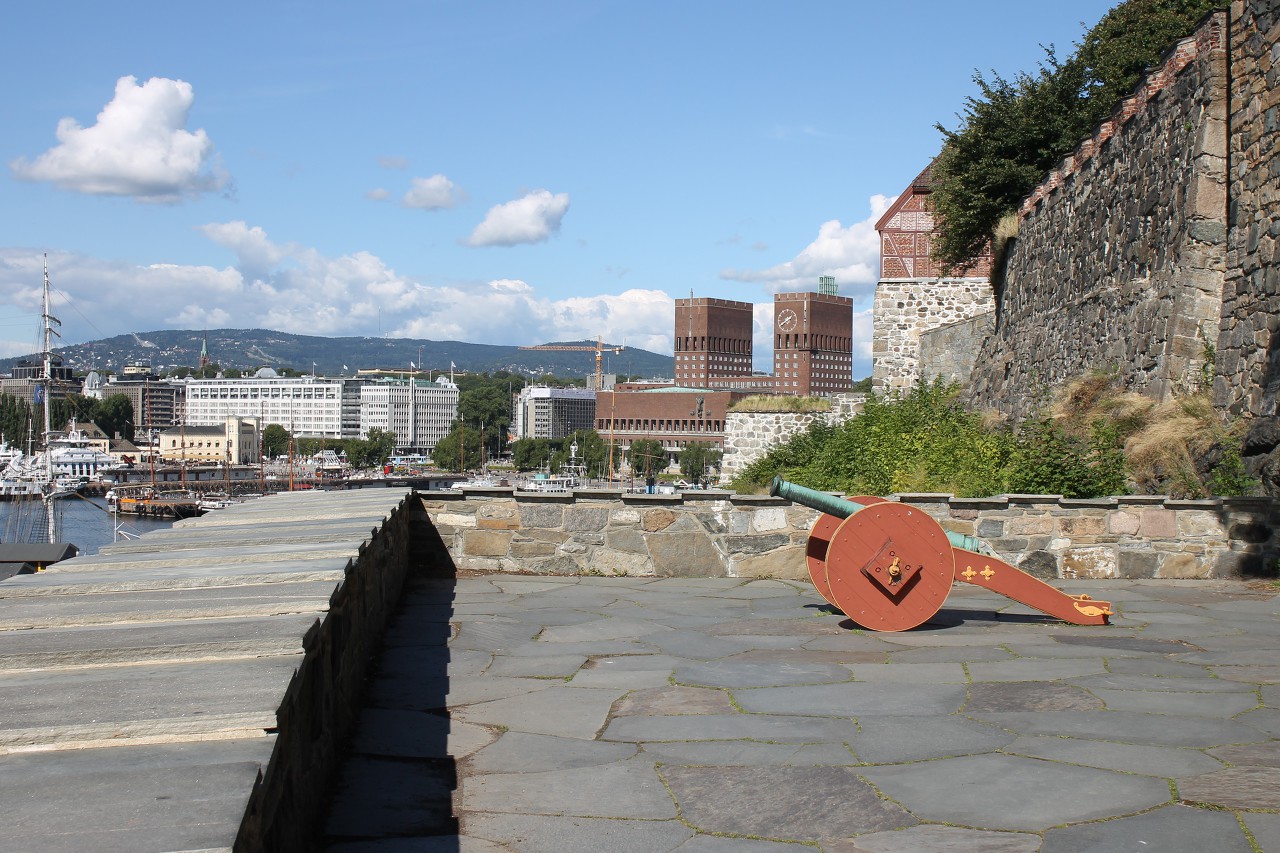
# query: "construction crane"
599 349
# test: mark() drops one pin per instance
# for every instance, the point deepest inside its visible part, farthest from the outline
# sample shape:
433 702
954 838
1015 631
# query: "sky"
494 172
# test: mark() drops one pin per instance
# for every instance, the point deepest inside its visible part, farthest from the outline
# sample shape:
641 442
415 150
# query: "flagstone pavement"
527 713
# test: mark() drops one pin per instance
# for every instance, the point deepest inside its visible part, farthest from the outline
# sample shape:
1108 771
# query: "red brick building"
812 344
713 340
673 415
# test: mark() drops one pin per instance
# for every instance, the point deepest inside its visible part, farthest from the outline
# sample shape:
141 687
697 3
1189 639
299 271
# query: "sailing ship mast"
46 391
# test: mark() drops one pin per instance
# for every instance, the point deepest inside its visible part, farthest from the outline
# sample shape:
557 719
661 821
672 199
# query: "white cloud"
529 219
389 162
294 288
138 147
850 254
378 194
434 193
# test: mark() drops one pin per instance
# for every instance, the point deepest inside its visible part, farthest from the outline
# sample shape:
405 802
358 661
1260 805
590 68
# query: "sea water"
86 523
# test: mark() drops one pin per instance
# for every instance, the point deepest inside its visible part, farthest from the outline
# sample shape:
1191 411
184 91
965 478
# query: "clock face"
787 320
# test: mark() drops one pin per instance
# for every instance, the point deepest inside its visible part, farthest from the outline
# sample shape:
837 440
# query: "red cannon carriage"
889 566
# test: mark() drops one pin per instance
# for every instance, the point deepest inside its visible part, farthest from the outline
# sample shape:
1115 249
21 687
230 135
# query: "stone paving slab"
772 726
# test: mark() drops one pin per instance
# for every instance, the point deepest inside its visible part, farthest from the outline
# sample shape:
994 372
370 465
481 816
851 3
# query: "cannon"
889 566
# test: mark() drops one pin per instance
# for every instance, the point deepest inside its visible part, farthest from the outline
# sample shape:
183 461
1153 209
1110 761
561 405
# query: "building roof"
213 431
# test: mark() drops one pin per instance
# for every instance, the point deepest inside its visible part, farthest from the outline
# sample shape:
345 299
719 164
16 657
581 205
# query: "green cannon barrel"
840 508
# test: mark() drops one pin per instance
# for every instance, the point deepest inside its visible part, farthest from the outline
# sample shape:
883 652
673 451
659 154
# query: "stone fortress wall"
1248 358
905 311
1121 254
716 534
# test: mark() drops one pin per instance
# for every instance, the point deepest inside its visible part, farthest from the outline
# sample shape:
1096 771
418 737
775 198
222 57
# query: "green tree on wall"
1012 132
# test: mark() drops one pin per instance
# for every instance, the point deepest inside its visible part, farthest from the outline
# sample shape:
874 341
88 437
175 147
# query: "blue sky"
495 172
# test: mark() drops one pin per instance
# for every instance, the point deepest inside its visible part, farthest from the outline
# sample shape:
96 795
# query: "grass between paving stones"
1253 842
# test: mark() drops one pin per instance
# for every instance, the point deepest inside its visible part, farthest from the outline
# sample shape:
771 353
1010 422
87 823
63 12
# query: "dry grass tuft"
765 403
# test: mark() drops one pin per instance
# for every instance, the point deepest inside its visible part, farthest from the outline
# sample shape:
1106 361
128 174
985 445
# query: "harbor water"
86 523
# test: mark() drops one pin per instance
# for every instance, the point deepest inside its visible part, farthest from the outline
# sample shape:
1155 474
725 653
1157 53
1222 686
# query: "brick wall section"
1120 259
715 534
1248 358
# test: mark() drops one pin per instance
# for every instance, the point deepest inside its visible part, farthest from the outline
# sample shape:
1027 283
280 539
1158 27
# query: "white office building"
419 412
307 406
543 412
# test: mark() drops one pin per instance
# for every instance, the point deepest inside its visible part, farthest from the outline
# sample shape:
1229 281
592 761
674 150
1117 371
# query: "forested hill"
249 349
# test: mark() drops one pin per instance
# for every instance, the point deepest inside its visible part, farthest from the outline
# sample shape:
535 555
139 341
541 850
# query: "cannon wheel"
889 567
815 552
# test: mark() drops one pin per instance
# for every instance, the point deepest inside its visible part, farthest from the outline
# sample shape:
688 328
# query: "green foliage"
1229 477
530 454
275 441
374 449
114 415
593 453
647 457
15 418
1048 460
698 460
925 441
459 450
862 386
1014 131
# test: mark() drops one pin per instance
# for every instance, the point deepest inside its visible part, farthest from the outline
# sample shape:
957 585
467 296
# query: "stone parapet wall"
905 309
716 534
1120 257
1248 359
749 435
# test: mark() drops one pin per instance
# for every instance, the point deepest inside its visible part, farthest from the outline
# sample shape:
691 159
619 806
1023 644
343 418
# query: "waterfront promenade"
194 691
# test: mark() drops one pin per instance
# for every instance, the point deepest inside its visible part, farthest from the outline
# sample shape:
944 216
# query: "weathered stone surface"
1235 788
1170 828
823 802
787 562
578 519
534 515
486 543
1030 696
658 701
691 555
940 839
658 519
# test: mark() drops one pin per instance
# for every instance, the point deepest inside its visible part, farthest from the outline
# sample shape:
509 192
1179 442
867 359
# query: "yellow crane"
599 349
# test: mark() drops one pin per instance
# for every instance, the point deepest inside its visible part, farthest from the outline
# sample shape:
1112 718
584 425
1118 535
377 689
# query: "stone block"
1196 523
524 549
691 555
456 519
1089 562
765 520
755 544
499 517
1040 564
1028 525
1138 564
612 562
786 563
486 543
657 519
630 541
1183 566
541 515
1159 524
1122 523
739 522
1082 525
625 516
990 528
580 519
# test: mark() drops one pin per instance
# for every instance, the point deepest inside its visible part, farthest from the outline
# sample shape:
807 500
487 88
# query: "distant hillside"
249 349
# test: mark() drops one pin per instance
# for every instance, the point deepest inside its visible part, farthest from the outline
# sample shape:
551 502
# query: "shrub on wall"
1014 131
1094 440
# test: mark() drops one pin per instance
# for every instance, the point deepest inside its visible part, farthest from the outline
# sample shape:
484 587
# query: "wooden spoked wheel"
889 566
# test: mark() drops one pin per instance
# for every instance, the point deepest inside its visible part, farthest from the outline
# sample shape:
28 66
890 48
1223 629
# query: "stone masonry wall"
749 435
1248 358
949 352
1120 257
904 309
716 534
